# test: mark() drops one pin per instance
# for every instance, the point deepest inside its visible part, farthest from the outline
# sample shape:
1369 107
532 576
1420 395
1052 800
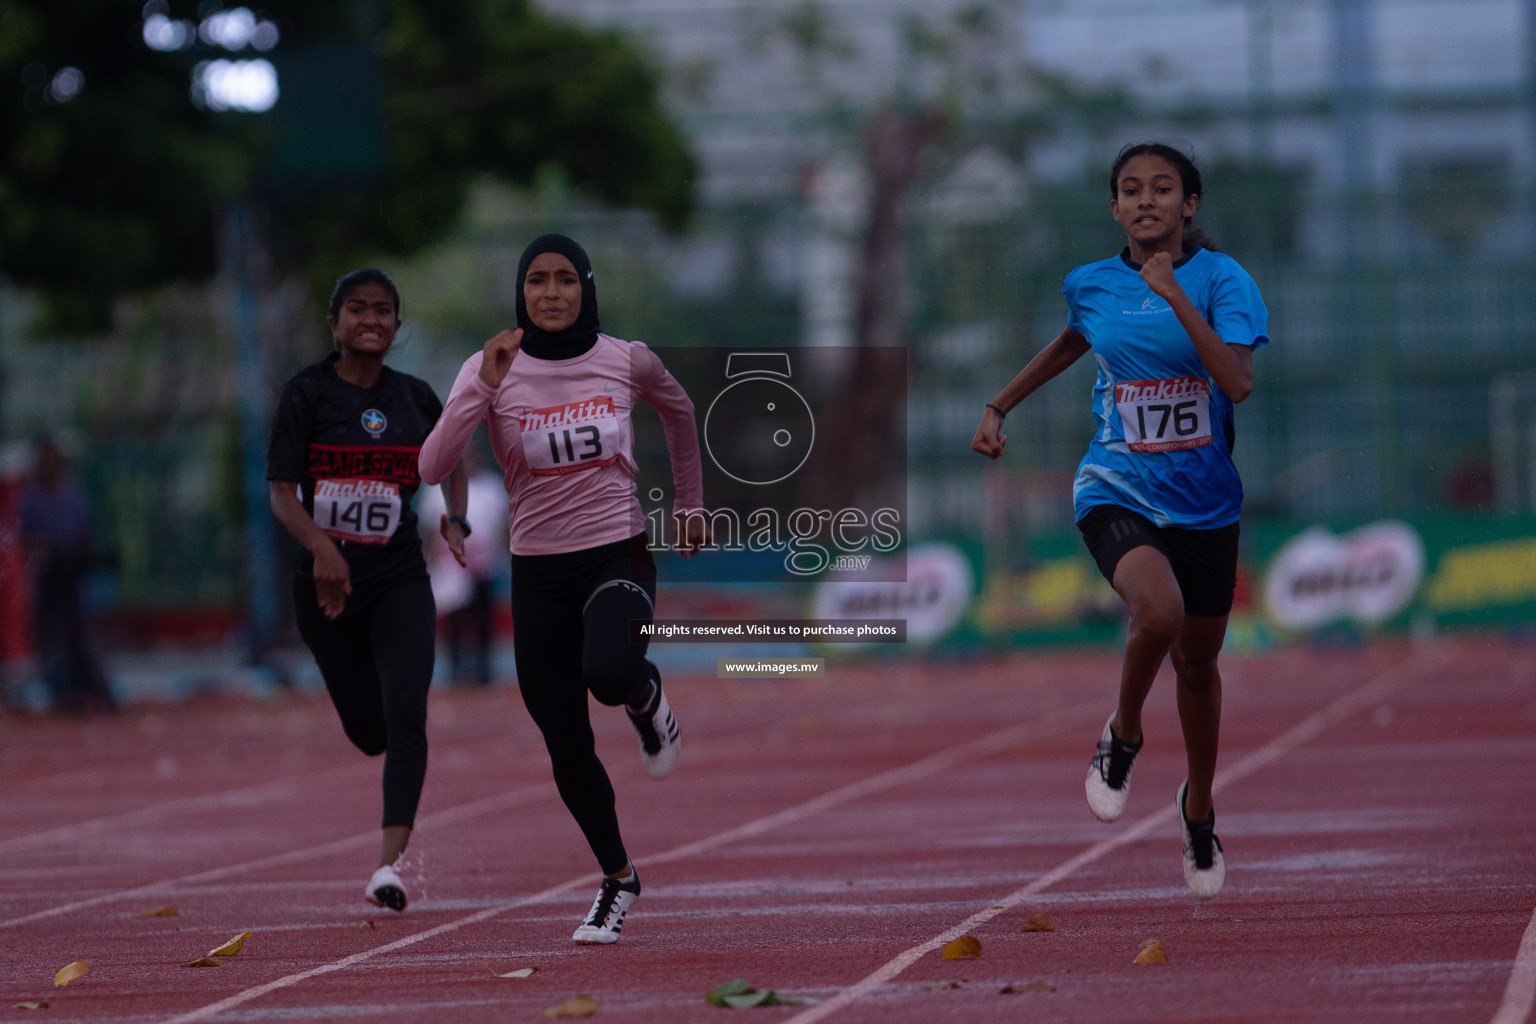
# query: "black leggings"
570 617
377 663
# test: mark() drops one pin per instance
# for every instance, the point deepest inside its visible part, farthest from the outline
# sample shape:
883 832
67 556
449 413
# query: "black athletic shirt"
353 451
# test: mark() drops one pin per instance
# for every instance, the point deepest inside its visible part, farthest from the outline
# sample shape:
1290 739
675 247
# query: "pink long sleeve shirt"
561 431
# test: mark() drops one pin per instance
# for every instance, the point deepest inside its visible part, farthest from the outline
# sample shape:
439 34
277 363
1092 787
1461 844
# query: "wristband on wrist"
463 524
997 410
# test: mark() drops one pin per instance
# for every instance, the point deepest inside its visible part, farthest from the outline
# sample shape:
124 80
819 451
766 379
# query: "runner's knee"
372 739
1157 620
616 677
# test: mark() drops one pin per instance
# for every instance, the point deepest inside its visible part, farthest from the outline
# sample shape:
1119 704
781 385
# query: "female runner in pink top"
559 425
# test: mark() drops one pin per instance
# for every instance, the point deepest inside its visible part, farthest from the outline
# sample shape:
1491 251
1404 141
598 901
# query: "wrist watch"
463 524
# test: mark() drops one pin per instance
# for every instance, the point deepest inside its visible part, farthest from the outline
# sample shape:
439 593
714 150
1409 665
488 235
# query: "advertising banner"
1437 572
1295 580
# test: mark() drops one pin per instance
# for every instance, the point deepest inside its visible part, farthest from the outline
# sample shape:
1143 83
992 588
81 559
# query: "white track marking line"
1520 993
495 802
1303 732
992 743
242 797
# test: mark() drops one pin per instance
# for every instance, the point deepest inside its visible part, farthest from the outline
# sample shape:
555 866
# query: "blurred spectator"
56 533
466 595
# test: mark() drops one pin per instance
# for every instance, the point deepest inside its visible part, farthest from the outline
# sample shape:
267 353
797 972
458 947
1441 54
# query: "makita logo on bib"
584 411
1171 389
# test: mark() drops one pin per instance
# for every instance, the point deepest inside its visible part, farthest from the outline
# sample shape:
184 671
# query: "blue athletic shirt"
1163 444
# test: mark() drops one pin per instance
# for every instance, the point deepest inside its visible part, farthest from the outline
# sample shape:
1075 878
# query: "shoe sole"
596 937
391 896
660 764
1108 816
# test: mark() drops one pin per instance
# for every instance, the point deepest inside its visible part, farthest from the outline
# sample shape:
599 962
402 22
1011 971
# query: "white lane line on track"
245 796
1520 993
993 743
485 805
1303 732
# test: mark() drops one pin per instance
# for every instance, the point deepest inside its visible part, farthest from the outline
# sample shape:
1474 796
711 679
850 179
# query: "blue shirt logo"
374 422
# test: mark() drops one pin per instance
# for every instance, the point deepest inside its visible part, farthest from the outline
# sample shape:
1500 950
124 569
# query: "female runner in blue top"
1172 324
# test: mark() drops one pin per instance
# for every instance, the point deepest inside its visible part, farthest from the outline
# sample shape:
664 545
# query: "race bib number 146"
1164 415
357 511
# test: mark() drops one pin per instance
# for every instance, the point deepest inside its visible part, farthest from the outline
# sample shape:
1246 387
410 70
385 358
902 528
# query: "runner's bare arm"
333 580
1067 348
1231 366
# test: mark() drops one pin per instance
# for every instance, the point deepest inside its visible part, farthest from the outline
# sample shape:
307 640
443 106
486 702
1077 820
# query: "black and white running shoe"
1205 869
606 917
1109 776
385 889
660 738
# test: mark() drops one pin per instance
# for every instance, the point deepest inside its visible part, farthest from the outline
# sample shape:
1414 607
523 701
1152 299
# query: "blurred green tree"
112 181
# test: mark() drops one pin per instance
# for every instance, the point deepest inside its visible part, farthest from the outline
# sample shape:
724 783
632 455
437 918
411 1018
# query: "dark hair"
1189 177
368 275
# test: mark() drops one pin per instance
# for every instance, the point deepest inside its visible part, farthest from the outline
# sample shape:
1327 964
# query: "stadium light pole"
238 78
242 254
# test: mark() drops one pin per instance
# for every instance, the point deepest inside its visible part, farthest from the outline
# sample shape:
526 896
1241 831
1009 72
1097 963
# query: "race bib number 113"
562 439
1164 415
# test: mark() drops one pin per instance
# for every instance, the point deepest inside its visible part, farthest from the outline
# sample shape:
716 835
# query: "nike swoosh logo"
610 387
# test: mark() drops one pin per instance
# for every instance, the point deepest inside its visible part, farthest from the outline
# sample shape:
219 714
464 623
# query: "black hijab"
576 339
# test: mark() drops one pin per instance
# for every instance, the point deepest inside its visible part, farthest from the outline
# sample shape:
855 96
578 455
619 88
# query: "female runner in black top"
342 471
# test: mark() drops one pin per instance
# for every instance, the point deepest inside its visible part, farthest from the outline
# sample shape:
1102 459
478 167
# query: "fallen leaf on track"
368 926
69 972
946 984
41 1004
1038 985
521 972
964 947
231 947
1152 952
740 994
162 912
576 1006
203 961
1040 922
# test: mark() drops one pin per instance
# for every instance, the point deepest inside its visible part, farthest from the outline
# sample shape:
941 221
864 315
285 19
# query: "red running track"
823 838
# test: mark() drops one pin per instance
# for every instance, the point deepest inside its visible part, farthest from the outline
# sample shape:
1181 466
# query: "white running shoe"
1205 869
1109 775
660 738
606 917
385 889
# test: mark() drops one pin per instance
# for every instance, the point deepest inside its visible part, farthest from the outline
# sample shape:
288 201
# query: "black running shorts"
1204 561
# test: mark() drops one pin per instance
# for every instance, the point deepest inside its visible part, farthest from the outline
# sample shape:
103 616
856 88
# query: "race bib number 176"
1164 415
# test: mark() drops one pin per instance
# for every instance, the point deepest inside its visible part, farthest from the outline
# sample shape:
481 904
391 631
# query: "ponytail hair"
1189 178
